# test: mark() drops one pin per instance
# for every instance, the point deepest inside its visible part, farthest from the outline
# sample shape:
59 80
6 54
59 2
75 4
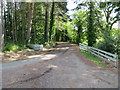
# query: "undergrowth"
8 47
92 58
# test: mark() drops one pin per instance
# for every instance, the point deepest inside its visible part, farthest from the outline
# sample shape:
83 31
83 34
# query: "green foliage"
91 24
18 20
106 46
30 46
109 41
71 32
91 30
97 25
50 44
92 58
76 28
13 47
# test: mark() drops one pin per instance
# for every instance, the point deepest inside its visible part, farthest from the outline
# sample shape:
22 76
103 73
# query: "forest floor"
60 67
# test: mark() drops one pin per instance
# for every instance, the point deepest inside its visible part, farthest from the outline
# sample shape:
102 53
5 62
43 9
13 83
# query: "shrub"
50 44
12 47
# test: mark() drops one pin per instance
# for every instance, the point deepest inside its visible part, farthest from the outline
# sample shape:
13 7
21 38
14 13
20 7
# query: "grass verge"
12 47
92 58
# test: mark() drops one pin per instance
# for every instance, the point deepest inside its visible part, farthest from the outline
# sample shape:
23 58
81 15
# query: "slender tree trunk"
2 24
66 37
9 21
18 23
46 22
13 12
12 20
23 23
5 26
79 32
51 20
15 23
35 33
31 9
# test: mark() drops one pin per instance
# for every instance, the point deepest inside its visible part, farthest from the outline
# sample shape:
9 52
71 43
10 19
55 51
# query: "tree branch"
113 23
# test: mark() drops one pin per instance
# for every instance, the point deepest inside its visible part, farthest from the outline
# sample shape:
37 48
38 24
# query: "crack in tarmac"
32 78
73 69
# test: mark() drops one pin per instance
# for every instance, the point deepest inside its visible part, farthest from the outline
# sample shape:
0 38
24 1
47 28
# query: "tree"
51 20
46 22
31 10
60 18
23 21
90 28
15 22
108 8
2 23
79 22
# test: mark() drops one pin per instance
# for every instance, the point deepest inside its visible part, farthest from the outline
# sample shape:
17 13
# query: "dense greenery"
35 23
93 25
46 22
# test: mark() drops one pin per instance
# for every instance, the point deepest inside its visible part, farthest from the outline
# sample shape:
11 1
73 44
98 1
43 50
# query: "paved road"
69 69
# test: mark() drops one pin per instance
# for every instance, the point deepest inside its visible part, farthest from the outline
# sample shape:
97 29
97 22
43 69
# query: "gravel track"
70 69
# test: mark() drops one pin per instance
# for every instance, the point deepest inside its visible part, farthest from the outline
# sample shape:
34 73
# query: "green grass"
92 58
12 47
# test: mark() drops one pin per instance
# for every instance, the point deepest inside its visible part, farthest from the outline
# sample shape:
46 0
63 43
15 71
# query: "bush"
50 44
106 46
13 47
31 46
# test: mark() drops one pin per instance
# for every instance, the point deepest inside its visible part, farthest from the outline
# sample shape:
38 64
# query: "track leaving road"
68 68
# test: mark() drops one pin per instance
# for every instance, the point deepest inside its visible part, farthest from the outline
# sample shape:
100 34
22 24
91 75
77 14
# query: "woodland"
91 23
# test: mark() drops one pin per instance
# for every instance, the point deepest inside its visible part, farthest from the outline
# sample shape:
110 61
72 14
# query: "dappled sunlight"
46 53
65 48
45 49
40 57
29 54
34 56
47 56
50 44
50 56
67 70
53 66
34 69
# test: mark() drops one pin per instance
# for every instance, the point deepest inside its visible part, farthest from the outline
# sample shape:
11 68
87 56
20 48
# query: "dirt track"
68 70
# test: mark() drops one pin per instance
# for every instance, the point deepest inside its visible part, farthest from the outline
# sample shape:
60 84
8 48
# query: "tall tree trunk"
46 22
23 22
9 22
31 9
66 37
79 32
35 33
12 20
15 23
51 20
2 24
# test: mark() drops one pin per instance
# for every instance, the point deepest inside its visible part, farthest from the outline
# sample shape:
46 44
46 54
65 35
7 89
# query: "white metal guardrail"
108 57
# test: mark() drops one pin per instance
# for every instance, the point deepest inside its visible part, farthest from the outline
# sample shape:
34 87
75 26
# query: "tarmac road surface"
62 68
